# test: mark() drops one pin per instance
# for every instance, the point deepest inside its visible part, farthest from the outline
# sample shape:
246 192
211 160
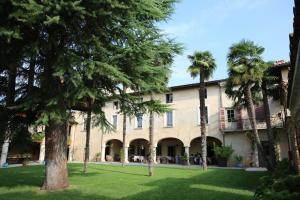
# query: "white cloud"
179 29
223 9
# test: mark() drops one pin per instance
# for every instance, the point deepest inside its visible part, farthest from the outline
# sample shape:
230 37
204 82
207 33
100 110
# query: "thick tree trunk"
10 98
151 144
4 152
269 126
87 141
56 172
252 118
203 121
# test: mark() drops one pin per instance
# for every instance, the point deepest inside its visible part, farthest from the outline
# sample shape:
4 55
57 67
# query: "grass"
131 182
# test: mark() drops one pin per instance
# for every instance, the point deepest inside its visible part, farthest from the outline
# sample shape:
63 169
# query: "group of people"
197 159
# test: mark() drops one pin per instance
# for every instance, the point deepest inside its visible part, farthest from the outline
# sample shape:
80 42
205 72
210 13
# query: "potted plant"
38 137
26 158
184 159
98 157
239 160
223 153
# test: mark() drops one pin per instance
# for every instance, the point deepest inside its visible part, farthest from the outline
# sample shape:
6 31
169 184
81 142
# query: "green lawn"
131 182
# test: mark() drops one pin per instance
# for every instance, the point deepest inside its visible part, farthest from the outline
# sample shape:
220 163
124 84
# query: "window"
230 115
116 105
169 98
139 120
115 121
169 119
206 115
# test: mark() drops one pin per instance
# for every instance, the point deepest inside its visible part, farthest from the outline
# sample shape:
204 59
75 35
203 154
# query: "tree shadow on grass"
118 171
58 195
210 185
34 175
206 186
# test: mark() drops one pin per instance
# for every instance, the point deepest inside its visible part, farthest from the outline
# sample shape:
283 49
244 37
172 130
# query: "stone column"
103 153
4 152
187 152
42 151
154 157
126 155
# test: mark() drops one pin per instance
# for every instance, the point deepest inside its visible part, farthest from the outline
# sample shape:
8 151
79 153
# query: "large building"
177 133
294 88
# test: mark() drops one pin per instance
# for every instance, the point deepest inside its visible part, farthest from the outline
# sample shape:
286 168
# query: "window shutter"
222 118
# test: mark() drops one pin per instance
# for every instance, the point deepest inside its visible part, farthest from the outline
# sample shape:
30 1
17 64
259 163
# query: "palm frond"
202 62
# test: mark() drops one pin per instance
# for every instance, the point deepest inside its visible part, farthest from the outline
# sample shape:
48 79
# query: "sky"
215 25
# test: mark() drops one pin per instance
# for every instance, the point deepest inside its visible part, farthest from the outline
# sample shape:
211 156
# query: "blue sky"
215 25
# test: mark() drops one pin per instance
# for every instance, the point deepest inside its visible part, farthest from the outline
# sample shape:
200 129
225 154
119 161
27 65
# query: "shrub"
282 184
238 158
184 157
38 137
223 151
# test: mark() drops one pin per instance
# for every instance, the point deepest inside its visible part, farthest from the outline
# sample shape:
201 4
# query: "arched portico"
169 150
195 150
112 150
138 150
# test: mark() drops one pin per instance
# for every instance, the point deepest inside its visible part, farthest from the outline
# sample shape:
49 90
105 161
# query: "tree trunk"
151 146
87 141
56 172
124 133
10 98
124 140
291 129
203 121
252 118
269 126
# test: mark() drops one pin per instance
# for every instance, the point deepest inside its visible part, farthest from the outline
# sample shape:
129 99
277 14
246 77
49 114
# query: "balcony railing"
244 124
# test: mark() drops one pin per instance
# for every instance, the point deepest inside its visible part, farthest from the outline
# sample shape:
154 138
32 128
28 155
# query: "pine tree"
78 42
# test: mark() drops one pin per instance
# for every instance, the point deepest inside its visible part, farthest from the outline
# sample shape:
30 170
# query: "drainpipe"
220 106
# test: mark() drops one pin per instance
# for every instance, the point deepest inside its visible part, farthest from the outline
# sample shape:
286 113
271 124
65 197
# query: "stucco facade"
183 136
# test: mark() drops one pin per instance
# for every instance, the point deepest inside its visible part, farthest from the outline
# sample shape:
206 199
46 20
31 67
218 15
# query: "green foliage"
223 151
238 158
283 168
98 154
184 157
86 51
245 69
282 184
202 62
38 137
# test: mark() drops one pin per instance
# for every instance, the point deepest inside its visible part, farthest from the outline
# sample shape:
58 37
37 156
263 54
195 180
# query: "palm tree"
269 87
246 70
124 133
203 64
151 142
